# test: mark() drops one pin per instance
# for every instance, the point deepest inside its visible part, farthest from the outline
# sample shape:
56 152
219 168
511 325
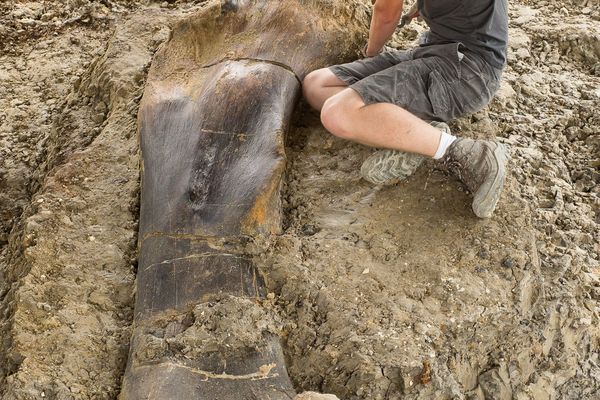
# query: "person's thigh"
355 71
404 84
324 77
320 85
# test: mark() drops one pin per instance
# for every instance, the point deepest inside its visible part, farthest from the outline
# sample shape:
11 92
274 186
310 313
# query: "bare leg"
320 85
381 125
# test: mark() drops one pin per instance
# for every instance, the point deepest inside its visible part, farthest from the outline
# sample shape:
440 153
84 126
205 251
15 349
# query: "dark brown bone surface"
212 121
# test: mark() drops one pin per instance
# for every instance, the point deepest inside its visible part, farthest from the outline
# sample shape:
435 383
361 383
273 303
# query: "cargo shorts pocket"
404 89
439 96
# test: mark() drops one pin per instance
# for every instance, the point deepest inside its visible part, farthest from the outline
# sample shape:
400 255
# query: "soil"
392 292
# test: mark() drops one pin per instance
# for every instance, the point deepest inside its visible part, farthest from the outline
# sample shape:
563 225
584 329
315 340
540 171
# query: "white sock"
445 141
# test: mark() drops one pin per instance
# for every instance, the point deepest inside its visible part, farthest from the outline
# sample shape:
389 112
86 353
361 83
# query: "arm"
386 14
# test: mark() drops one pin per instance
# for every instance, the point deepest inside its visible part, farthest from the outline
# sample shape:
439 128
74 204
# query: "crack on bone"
192 256
264 372
195 237
242 135
256 60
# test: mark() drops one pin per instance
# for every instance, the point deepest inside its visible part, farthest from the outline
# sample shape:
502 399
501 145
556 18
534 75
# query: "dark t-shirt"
481 25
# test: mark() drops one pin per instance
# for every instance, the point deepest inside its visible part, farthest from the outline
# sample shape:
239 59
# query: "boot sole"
488 195
386 167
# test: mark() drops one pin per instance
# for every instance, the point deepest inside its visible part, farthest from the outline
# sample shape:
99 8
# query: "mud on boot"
481 166
386 167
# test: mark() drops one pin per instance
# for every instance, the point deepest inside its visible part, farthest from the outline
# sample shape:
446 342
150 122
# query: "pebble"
47 16
505 94
522 53
525 15
508 262
310 229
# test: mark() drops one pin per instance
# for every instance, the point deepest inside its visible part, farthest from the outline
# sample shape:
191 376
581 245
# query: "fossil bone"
218 100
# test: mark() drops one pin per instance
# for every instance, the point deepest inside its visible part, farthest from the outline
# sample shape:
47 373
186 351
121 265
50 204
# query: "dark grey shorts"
435 82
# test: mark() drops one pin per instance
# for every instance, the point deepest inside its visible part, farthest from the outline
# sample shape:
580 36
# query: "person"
399 101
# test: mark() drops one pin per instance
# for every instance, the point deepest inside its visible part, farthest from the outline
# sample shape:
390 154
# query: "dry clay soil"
394 292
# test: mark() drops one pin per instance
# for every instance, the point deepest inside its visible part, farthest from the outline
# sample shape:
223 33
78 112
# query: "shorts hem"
343 75
366 98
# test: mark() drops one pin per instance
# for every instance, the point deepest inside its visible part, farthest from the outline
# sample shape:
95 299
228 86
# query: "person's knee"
311 79
335 117
312 83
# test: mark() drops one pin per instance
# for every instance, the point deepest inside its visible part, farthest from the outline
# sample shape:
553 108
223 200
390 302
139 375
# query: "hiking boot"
386 167
480 165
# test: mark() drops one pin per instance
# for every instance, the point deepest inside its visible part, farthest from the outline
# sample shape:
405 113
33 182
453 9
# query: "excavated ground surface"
383 293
